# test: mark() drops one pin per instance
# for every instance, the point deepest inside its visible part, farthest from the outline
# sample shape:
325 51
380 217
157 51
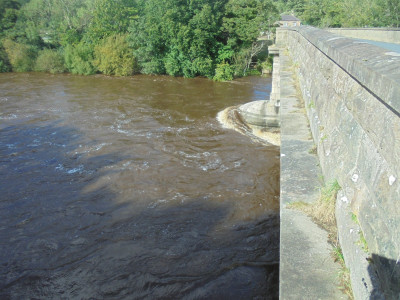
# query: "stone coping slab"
374 68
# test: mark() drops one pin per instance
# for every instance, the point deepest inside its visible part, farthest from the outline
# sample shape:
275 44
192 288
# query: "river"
129 188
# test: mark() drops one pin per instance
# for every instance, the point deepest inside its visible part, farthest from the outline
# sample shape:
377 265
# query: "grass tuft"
313 150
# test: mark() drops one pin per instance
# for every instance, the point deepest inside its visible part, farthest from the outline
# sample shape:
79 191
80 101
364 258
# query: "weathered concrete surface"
307 270
387 35
352 96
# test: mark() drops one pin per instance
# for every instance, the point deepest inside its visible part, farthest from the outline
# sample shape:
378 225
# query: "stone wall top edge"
364 29
370 65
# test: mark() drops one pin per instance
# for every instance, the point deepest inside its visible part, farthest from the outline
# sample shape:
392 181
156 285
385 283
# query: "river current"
130 188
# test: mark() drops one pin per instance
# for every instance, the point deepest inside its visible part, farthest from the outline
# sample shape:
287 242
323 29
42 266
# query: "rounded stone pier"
261 113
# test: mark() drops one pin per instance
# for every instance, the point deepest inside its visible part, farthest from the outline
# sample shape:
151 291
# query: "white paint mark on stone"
392 179
354 178
283 155
344 199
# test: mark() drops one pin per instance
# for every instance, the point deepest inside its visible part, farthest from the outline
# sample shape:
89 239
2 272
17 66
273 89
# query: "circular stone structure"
261 113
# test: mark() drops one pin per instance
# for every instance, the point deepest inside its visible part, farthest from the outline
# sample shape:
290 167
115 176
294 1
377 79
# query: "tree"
4 62
113 56
49 60
179 38
390 12
21 57
109 17
79 59
243 22
8 14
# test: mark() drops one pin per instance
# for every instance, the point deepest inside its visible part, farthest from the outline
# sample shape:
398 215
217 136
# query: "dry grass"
323 210
323 214
344 272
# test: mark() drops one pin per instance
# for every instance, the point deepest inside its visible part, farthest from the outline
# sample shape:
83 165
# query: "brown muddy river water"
129 188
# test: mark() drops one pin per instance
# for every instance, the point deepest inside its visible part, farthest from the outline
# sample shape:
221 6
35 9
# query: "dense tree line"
344 13
213 38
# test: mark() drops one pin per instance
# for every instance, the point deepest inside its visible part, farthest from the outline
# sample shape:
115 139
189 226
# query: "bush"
113 56
79 59
204 66
267 65
171 63
21 57
50 61
223 72
253 72
4 63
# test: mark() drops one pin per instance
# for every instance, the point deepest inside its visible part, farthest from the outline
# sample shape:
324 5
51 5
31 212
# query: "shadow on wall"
391 288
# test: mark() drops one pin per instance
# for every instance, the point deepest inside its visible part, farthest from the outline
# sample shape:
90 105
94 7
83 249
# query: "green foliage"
223 72
79 59
344 13
344 272
330 191
338 254
21 57
362 242
177 39
8 14
242 24
4 62
244 19
61 22
225 52
113 56
109 17
354 218
212 38
3 66
253 72
267 65
49 60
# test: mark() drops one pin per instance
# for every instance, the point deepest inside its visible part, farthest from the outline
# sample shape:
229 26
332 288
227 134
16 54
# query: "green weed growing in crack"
362 242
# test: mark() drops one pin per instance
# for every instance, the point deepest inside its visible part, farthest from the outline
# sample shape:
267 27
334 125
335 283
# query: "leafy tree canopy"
212 38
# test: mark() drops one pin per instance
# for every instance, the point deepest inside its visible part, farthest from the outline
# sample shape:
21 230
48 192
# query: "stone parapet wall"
352 95
387 35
